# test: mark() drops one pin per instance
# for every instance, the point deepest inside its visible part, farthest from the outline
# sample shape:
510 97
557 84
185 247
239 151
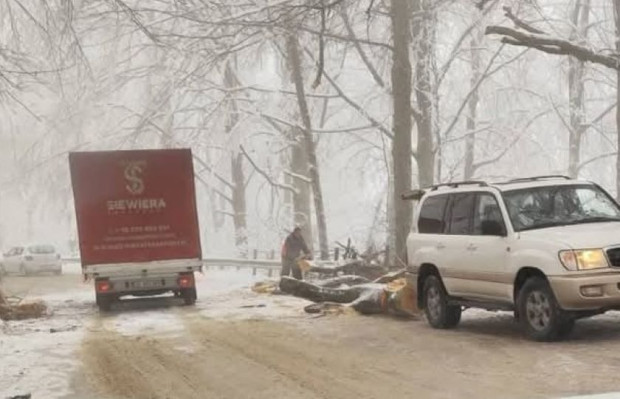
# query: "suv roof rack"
536 178
459 183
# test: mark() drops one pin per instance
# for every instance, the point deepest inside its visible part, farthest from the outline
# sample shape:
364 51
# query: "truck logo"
133 172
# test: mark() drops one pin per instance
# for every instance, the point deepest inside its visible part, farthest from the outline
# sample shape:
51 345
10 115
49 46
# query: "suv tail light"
186 280
103 286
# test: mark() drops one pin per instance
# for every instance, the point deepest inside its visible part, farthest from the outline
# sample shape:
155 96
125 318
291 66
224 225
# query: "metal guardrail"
270 265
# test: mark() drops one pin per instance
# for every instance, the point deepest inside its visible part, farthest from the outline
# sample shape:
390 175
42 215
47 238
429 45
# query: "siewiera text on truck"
137 222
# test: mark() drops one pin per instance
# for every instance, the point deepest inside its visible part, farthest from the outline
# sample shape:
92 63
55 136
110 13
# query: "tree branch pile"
527 36
16 309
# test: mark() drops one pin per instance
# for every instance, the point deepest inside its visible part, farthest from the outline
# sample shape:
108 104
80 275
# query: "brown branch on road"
552 45
265 174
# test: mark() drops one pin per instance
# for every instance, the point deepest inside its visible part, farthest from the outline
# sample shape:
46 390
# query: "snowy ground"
237 344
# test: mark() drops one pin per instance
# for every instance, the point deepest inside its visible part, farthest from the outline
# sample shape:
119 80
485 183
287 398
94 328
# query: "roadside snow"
38 355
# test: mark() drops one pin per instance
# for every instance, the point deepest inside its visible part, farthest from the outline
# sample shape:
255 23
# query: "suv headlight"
584 259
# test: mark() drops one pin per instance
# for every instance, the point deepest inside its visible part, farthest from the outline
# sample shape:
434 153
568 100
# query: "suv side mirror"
493 228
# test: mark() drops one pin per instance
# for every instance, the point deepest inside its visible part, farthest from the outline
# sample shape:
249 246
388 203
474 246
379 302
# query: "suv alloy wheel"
438 313
539 313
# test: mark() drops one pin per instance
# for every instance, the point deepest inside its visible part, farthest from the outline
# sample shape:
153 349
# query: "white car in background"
30 260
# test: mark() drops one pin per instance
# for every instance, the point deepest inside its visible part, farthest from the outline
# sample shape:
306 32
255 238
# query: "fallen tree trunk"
396 297
356 267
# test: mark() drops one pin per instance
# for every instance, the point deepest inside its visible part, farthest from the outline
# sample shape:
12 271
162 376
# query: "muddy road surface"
237 344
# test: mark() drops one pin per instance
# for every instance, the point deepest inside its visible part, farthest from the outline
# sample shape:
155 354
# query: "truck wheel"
438 313
189 296
104 302
540 315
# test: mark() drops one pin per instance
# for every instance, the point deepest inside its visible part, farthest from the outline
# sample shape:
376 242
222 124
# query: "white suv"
547 248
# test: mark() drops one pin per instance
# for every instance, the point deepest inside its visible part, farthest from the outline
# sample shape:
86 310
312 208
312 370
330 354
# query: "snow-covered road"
238 344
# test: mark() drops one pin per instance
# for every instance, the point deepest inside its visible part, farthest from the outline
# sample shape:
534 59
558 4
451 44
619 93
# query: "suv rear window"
431 220
461 214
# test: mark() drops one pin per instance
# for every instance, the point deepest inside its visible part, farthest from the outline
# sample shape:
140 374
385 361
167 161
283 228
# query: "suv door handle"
440 246
472 247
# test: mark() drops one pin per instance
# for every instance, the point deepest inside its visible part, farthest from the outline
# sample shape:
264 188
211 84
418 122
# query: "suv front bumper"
587 292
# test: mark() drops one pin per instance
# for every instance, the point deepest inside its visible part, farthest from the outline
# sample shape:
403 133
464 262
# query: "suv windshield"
540 207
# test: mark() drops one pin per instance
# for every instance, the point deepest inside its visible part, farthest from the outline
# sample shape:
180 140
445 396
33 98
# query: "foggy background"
217 77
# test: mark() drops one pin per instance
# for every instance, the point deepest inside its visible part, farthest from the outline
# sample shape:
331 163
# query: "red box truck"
137 222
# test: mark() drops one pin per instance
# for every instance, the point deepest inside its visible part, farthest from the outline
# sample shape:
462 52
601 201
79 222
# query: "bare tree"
295 63
576 74
400 13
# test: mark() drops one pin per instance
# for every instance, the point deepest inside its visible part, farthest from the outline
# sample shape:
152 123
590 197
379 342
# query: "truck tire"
438 313
104 302
540 315
189 296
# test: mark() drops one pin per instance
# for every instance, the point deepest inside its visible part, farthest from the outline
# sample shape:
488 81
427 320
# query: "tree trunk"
308 142
617 22
401 123
301 199
423 40
472 106
236 168
576 71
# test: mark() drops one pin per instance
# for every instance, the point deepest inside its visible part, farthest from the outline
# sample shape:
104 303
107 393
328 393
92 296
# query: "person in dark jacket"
294 247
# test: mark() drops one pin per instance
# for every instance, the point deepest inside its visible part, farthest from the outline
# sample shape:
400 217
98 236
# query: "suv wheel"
539 313
438 313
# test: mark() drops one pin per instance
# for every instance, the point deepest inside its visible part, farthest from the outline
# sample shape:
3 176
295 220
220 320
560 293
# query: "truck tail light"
103 286
186 280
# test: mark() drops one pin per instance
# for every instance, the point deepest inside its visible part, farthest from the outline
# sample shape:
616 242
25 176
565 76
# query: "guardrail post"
336 254
386 260
256 254
253 271
273 254
270 272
